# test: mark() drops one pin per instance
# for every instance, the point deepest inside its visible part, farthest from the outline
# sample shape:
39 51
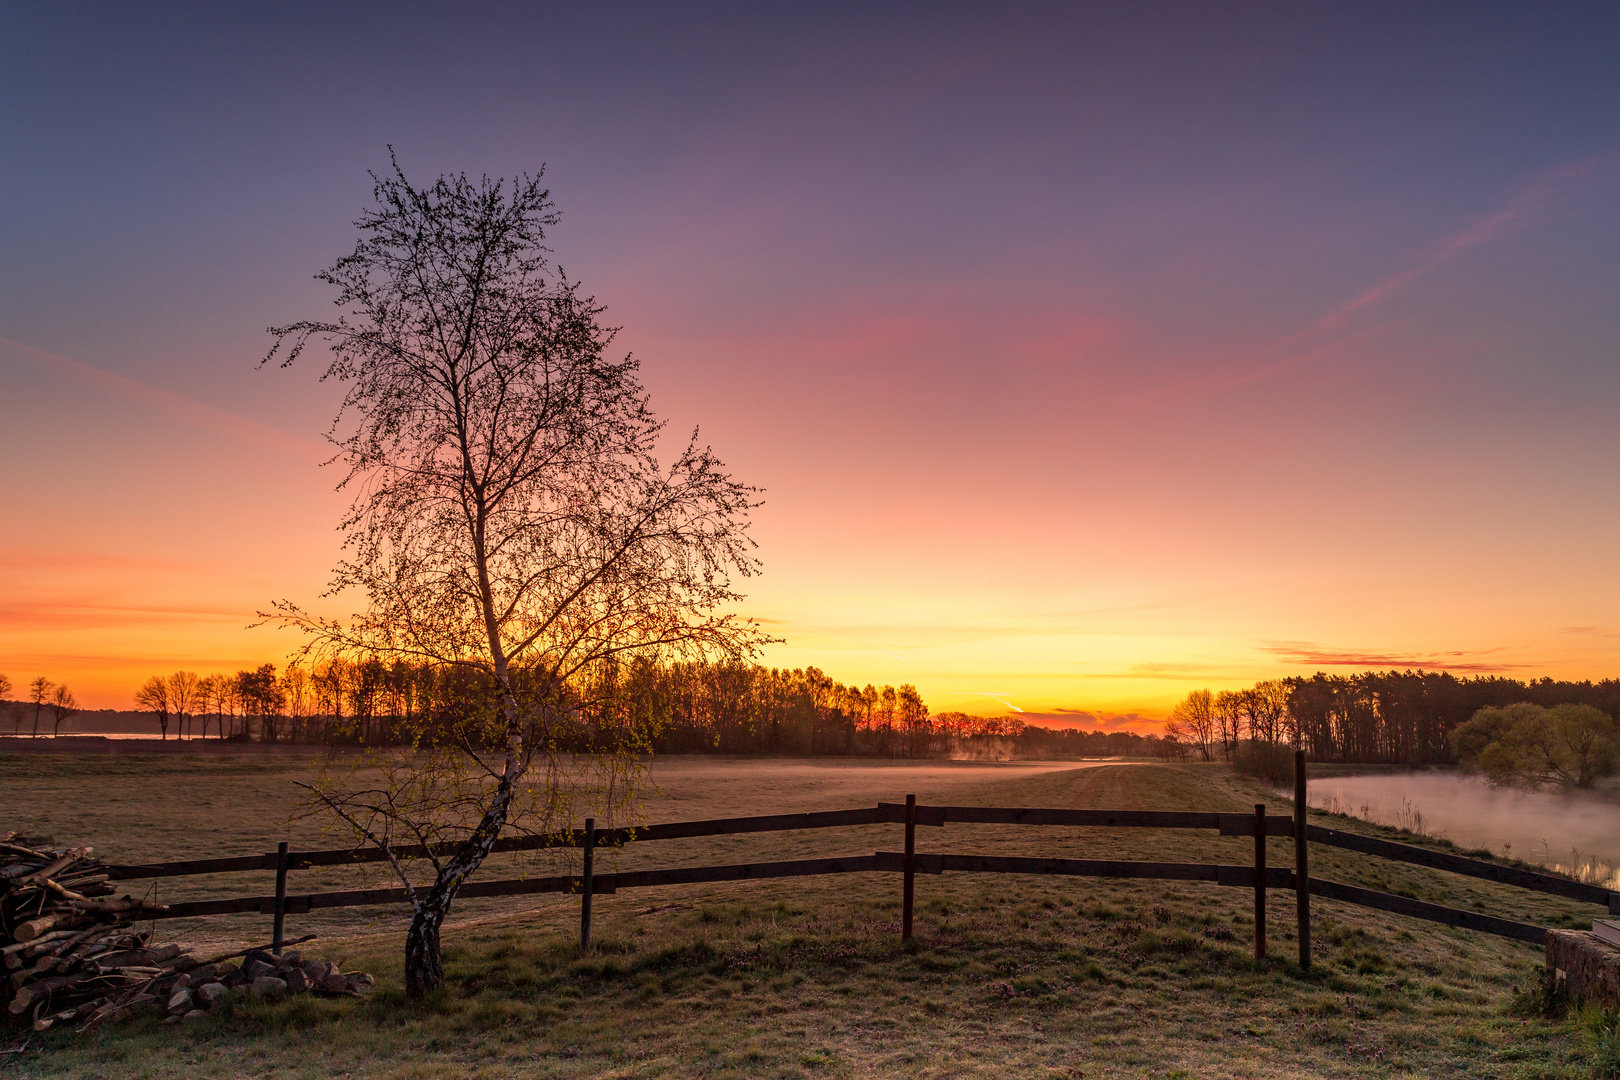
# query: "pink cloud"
1310 654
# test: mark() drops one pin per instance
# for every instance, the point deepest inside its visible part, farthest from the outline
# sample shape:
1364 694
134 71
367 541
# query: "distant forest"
667 708
1384 717
1391 717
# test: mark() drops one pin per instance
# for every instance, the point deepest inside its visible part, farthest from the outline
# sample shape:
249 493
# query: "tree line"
43 694
665 708
1375 717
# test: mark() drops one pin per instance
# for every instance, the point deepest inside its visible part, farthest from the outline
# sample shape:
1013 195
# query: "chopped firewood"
17 948
67 1016
67 860
41 988
71 956
33 928
118 906
29 843
134 957
63 891
82 881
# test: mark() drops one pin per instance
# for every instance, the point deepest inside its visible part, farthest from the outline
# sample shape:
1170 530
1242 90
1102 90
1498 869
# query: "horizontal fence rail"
910 814
1418 909
1458 864
938 816
885 862
882 813
675 830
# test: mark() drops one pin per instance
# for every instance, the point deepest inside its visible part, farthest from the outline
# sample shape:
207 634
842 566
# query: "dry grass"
1012 977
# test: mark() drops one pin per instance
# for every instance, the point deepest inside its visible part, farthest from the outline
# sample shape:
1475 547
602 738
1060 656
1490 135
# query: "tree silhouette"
16 713
64 706
185 698
153 696
1193 722
510 521
39 692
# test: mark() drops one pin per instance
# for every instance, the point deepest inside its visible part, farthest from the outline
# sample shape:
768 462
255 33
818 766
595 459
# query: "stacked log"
65 939
72 954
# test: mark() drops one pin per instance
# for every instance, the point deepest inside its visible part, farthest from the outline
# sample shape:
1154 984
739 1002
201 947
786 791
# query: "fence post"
911 867
281 898
585 885
1302 864
1259 881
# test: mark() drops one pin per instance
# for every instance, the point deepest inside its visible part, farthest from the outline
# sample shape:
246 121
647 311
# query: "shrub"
1528 746
1548 998
1271 762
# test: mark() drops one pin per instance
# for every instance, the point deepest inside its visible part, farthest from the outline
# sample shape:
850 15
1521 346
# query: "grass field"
1012 976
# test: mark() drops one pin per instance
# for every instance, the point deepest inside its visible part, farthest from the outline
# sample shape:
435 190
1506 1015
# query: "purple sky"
1088 353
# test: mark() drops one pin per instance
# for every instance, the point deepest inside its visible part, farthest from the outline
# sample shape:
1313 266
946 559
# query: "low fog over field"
690 787
1577 833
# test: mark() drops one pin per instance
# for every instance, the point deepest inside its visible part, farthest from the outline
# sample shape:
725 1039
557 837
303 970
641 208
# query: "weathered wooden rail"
1256 876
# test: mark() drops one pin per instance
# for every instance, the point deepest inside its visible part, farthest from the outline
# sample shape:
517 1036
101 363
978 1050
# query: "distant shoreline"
111 743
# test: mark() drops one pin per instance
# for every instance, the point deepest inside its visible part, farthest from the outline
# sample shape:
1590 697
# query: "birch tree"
511 520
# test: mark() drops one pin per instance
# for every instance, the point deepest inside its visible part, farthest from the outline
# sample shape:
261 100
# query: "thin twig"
338 809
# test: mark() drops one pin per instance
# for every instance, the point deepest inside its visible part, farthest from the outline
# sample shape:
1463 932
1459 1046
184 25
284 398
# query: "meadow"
1009 976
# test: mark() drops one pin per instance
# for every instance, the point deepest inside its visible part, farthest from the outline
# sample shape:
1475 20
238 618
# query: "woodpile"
73 955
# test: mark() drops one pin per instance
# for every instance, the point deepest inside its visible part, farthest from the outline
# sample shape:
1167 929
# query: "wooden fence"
908 863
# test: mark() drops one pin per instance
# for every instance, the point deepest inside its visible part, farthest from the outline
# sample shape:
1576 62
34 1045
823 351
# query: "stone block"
1588 965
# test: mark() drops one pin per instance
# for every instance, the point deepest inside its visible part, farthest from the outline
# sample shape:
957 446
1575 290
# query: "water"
68 736
1575 833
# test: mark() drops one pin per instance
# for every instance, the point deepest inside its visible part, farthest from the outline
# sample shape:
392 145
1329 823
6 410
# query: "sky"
1088 354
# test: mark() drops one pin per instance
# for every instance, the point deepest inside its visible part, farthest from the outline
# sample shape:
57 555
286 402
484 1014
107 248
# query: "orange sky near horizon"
157 556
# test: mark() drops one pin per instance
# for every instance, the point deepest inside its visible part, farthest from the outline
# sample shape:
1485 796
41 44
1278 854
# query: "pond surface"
1576 833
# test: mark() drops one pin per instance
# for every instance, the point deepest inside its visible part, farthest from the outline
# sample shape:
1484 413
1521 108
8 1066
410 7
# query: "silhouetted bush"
1271 762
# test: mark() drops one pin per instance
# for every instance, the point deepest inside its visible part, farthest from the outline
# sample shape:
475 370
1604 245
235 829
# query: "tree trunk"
424 963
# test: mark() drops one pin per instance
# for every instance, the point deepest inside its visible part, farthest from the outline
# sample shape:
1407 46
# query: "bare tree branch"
510 524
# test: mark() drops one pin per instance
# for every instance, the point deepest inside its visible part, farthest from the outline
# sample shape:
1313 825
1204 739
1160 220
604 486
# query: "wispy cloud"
188 411
1086 718
1540 193
59 615
1334 331
56 562
1310 654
